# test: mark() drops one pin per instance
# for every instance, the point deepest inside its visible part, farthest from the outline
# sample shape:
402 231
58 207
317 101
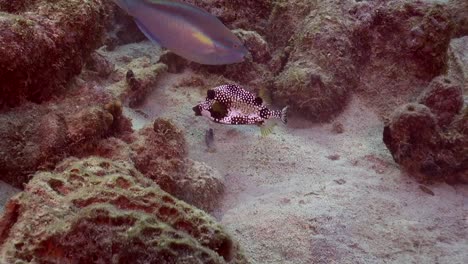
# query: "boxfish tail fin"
267 128
284 115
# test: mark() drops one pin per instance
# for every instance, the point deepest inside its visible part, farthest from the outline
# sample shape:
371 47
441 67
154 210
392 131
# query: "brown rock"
44 44
99 211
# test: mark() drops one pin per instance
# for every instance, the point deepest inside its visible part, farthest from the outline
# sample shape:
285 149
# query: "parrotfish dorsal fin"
146 32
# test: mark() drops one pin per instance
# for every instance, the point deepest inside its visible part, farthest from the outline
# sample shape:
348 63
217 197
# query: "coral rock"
142 80
256 45
400 47
99 211
423 148
201 186
44 44
99 64
160 154
36 137
444 97
320 71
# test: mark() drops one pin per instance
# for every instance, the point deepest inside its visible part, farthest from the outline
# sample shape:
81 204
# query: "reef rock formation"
401 46
45 43
459 12
430 138
36 137
99 211
319 71
122 30
160 154
245 14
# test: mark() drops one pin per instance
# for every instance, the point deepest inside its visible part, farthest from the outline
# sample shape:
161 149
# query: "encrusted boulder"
245 14
459 12
430 139
400 47
444 96
101 211
201 186
160 154
34 137
43 44
319 72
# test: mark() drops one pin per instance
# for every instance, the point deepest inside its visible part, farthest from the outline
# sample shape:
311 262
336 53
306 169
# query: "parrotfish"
233 105
186 30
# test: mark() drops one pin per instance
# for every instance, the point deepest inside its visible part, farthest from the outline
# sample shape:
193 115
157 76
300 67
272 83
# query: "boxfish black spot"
197 110
258 101
210 94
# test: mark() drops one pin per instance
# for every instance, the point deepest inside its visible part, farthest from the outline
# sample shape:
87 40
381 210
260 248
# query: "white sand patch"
288 202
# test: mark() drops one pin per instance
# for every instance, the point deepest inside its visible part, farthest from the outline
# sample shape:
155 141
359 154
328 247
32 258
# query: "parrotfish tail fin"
284 115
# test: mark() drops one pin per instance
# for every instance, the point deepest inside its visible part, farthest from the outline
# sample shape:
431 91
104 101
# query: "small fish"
426 190
209 140
186 30
233 105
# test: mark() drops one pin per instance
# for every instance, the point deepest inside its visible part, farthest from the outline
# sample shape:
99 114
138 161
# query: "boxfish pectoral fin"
147 33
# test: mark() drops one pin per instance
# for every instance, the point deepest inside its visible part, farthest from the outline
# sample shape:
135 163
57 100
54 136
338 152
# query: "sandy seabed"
306 194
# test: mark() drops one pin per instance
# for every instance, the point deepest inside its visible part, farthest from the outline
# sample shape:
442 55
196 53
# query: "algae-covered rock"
34 137
45 43
246 14
444 96
100 211
424 149
320 71
201 186
160 153
401 47
459 13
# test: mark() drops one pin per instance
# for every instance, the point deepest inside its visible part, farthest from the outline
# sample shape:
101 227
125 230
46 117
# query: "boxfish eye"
235 45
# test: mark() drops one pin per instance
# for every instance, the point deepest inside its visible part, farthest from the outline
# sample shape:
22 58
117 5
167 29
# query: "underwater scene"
233 131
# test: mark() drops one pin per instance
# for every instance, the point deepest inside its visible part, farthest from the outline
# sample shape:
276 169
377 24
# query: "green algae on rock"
101 211
36 137
320 71
429 139
160 153
44 44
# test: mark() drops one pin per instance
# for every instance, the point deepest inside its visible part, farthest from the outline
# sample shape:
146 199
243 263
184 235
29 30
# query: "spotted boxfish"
233 105
186 30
